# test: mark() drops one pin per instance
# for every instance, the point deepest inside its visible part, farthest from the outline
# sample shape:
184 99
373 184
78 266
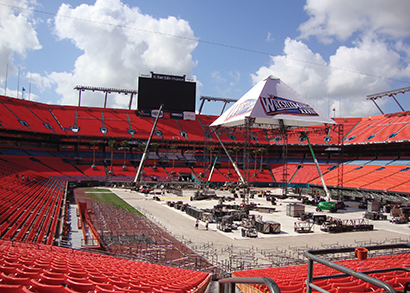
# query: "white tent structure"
271 104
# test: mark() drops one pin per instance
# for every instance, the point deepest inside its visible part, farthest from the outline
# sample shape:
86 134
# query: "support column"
340 162
105 100
246 152
79 98
374 102
284 135
129 106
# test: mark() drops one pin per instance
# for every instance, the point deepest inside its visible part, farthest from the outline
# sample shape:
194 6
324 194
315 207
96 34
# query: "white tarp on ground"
270 101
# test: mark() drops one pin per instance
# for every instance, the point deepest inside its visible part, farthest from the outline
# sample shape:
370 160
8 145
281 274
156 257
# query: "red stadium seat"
5 288
83 286
50 280
46 288
13 280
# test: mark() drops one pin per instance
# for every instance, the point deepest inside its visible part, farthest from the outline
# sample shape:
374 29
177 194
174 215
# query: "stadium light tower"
206 98
391 93
107 91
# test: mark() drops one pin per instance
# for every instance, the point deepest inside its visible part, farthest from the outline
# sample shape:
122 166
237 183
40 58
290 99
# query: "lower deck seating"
97 173
121 173
292 279
44 268
30 204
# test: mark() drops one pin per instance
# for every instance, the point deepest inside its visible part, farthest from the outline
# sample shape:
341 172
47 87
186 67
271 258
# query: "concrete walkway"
182 226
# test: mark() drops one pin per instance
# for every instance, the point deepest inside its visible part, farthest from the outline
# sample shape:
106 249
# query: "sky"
333 53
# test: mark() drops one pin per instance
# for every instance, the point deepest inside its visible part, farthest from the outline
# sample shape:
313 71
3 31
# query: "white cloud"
226 85
340 80
373 53
17 34
299 67
341 19
41 82
269 37
217 77
369 56
118 43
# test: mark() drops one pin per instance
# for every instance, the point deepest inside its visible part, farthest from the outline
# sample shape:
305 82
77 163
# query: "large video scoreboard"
174 92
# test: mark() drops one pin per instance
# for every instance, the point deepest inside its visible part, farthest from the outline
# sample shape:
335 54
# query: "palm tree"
230 152
94 143
112 144
173 147
262 150
124 145
236 150
255 152
210 149
142 148
155 146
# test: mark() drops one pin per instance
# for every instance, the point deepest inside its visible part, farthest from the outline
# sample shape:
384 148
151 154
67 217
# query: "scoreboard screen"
173 91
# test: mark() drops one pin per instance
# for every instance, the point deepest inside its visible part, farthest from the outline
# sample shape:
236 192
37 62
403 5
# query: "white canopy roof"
270 101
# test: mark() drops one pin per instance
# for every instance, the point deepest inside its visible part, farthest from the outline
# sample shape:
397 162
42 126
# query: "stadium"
74 217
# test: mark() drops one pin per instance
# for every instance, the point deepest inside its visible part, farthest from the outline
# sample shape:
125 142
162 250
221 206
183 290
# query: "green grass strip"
107 197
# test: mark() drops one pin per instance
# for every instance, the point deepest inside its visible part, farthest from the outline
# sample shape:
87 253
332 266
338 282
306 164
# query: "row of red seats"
390 178
292 279
25 115
30 206
43 268
380 128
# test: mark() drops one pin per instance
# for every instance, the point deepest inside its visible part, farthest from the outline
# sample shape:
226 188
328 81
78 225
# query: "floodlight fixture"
107 91
391 94
215 99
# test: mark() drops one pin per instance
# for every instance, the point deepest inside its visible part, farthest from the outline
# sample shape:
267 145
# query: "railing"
228 285
312 255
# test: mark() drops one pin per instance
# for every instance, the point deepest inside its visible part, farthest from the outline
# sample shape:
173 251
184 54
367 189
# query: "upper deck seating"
390 128
362 130
10 121
22 115
89 121
193 129
65 117
117 123
169 128
400 128
142 126
16 111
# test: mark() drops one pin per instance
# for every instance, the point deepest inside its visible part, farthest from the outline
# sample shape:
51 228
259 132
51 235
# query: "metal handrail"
312 256
228 285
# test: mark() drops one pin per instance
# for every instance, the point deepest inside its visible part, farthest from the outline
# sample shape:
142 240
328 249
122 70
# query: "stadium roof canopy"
272 104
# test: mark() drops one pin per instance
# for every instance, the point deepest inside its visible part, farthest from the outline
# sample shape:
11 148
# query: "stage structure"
270 105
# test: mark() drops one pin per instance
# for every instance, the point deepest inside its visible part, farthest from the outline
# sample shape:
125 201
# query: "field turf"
107 197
